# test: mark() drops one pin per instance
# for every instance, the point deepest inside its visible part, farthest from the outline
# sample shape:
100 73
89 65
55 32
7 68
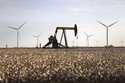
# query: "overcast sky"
43 16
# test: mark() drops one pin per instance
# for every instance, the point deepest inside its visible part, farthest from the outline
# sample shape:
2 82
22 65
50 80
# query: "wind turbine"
96 42
37 40
87 38
121 43
107 30
17 30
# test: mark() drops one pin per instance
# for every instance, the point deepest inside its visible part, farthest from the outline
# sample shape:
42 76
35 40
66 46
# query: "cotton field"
62 65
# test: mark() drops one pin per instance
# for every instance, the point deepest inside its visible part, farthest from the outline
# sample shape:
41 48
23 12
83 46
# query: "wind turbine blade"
21 25
102 24
85 33
113 24
36 36
90 35
12 28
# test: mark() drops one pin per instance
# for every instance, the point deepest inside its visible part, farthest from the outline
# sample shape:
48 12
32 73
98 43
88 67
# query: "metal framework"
53 40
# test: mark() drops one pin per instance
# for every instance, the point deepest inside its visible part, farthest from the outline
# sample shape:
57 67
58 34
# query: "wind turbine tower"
87 38
96 42
17 31
37 40
107 30
122 43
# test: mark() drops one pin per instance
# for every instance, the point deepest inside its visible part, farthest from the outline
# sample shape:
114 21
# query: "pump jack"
53 39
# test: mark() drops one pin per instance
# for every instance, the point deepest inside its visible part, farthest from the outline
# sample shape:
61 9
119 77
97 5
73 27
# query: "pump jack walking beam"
67 28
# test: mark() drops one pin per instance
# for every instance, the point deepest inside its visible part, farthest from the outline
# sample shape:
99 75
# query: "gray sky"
43 16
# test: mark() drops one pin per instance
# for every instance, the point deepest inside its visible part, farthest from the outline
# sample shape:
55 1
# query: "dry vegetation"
58 66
